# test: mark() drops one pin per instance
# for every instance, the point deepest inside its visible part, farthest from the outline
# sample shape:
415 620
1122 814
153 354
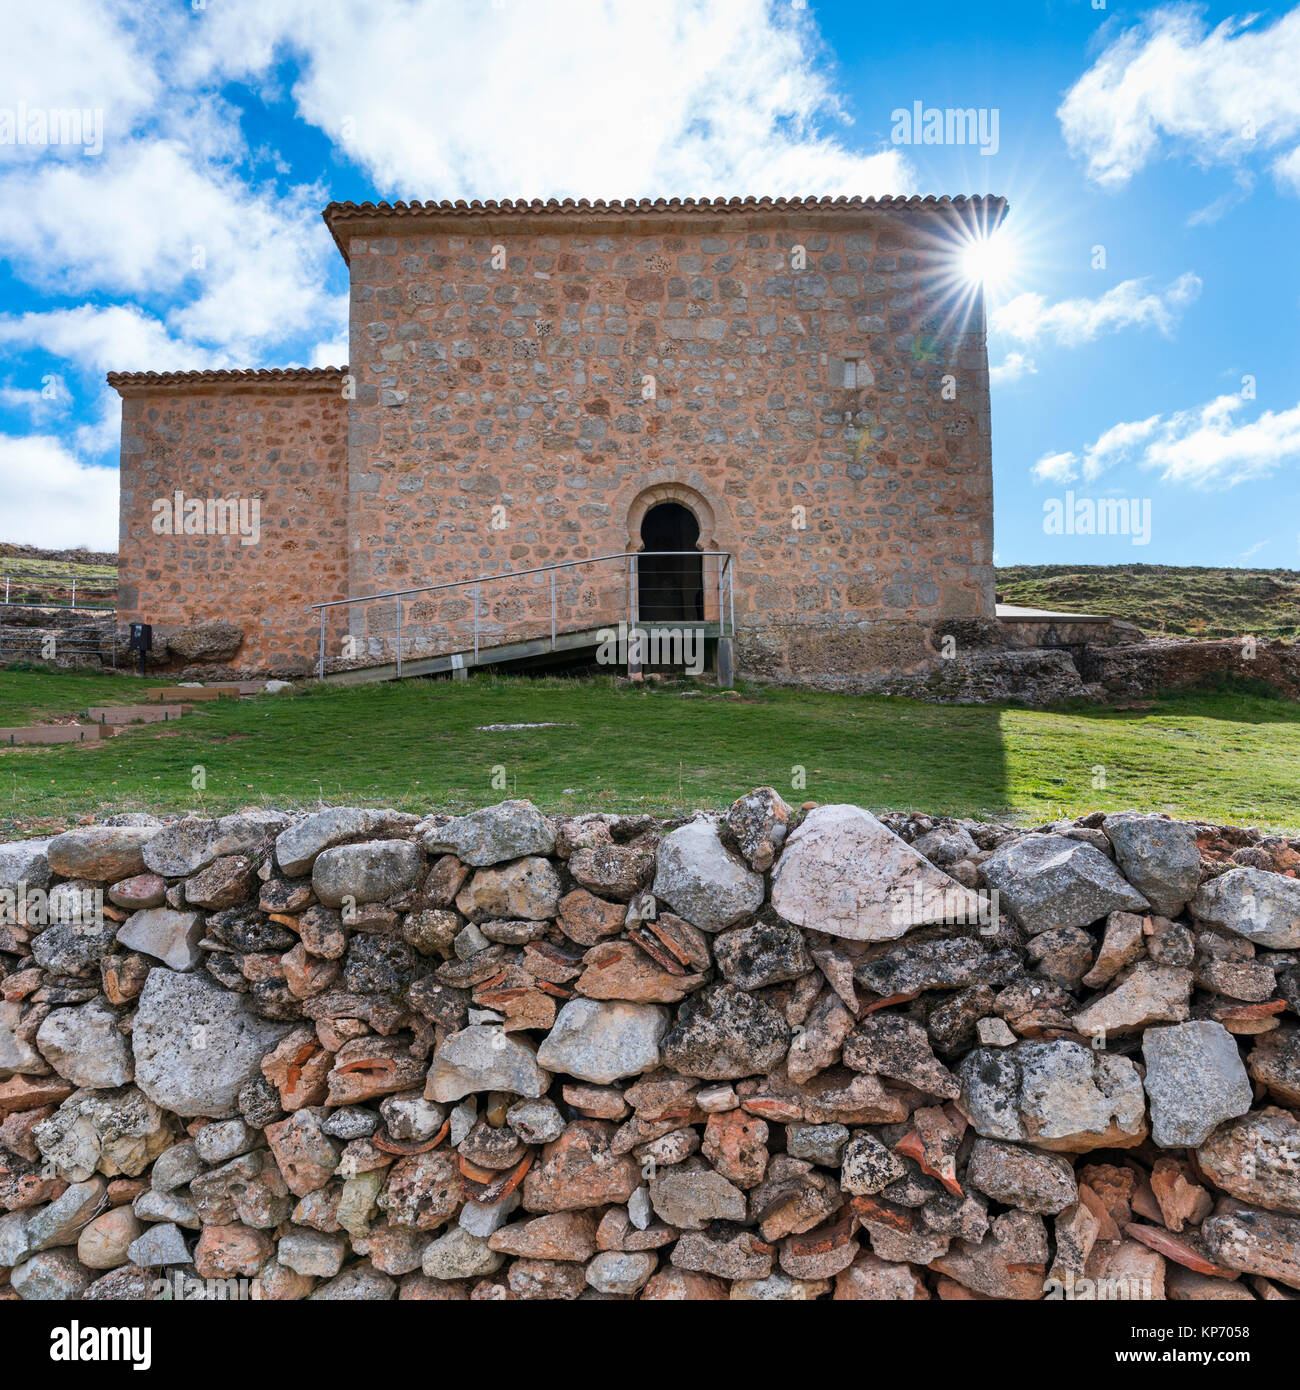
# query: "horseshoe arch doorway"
670 588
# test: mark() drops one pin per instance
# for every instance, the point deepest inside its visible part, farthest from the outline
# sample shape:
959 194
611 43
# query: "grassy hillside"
45 576
1176 600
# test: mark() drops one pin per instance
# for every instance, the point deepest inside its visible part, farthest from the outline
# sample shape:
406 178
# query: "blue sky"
180 228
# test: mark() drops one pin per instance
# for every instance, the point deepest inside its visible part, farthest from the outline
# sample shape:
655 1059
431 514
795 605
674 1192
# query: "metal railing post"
731 592
634 620
74 591
399 638
552 610
320 665
476 622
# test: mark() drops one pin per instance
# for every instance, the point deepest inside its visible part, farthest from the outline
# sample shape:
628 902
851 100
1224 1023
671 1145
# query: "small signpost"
142 642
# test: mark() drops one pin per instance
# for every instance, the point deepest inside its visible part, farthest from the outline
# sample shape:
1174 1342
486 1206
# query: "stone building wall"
503 416
277 437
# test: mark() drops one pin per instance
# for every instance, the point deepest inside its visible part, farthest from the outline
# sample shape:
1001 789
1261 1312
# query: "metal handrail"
726 609
519 574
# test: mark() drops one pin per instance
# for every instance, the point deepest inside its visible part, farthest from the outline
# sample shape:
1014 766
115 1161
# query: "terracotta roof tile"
136 382
337 215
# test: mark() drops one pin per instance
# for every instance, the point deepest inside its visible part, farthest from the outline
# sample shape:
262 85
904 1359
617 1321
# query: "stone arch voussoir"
716 531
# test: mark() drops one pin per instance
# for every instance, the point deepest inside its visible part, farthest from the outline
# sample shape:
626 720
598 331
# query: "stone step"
170 695
136 714
55 733
223 689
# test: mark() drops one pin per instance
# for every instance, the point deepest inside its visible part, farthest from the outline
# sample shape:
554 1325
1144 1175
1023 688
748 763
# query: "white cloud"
1205 447
1012 367
332 348
1243 186
333 353
52 498
21 398
244 267
100 436
85 54
39 403
1172 85
116 337
1117 444
217 269
1286 170
1030 318
1056 468
571 98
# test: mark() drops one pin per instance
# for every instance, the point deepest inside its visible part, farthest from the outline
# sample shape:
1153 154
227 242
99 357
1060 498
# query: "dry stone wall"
774 1054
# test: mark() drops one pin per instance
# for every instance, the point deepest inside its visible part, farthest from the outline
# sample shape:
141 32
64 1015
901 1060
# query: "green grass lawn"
420 746
30 694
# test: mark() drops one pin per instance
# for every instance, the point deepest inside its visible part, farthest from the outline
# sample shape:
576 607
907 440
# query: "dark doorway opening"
670 588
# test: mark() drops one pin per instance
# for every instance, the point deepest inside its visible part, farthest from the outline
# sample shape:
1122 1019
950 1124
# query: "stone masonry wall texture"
525 380
281 441
359 1054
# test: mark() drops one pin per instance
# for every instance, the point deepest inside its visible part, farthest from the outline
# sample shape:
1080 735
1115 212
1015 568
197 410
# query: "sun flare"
977 264
989 261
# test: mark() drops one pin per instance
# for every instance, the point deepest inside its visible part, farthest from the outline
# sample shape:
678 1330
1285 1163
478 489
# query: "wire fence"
42 589
83 645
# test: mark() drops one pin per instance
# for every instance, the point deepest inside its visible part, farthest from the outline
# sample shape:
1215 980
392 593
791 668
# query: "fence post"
74 591
320 666
399 637
476 622
552 610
